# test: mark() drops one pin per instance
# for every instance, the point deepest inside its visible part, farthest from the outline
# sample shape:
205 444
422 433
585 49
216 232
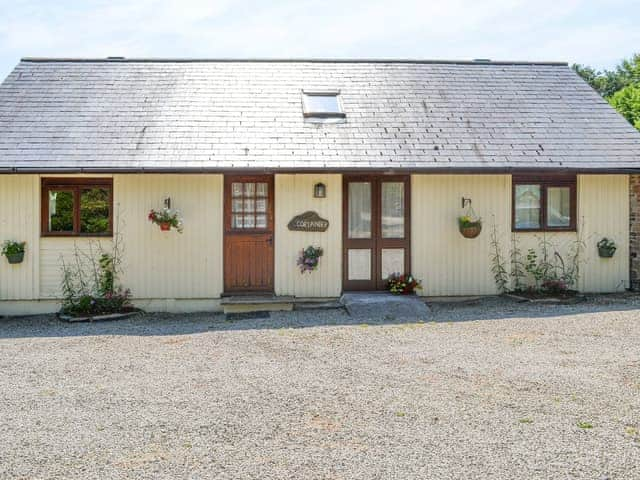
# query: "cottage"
372 161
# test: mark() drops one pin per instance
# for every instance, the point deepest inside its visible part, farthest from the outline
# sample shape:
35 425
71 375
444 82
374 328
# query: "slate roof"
214 115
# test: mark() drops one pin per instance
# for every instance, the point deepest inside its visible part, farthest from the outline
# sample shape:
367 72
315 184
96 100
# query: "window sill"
543 230
76 235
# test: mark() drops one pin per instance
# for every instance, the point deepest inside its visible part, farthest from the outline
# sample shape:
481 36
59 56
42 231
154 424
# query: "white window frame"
308 114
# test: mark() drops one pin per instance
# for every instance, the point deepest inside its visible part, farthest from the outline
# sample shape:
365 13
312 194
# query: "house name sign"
308 222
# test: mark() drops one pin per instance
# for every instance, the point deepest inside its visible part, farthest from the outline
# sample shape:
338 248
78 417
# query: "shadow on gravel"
162 324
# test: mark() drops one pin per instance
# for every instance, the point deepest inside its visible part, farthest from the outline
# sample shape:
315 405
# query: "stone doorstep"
375 305
256 303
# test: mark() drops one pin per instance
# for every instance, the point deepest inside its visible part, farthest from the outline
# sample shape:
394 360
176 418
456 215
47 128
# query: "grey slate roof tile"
215 115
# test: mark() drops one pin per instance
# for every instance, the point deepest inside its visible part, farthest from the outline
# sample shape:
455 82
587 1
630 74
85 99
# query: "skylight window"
322 105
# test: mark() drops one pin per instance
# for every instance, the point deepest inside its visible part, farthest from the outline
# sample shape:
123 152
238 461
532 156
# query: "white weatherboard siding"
450 264
20 221
168 264
169 271
293 196
445 261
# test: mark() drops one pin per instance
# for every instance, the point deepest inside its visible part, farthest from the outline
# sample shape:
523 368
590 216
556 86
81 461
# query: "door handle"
270 240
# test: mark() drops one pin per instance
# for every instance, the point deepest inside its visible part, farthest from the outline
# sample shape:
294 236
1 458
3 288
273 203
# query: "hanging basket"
470 229
15 258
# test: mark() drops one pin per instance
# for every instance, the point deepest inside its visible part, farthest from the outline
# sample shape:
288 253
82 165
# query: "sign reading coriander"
308 222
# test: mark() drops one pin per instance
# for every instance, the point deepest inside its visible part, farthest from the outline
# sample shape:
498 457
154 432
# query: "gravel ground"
491 389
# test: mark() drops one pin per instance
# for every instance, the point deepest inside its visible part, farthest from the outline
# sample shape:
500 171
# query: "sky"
597 33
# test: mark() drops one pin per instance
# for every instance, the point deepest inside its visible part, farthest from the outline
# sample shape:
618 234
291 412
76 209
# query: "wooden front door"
376 230
248 234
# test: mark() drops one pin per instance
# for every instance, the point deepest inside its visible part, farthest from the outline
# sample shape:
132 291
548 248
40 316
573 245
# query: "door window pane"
236 205
262 189
359 210
393 210
392 262
261 221
359 264
236 221
558 206
60 211
527 206
249 221
94 210
249 205
261 205
249 189
236 189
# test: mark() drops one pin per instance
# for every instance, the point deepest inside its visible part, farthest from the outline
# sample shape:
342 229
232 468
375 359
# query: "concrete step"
382 306
256 303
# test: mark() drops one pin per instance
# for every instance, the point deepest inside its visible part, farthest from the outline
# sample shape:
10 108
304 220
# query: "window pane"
236 221
249 221
249 205
236 205
60 211
359 264
527 206
558 206
261 221
359 210
249 189
94 210
236 189
321 103
261 205
393 210
262 189
392 262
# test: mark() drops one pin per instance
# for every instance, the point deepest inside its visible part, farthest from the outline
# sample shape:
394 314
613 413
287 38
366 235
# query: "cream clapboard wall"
445 261
20 221
189 266
449 264
168 264
294 195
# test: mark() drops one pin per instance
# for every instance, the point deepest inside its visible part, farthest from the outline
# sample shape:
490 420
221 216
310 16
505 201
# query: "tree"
620 87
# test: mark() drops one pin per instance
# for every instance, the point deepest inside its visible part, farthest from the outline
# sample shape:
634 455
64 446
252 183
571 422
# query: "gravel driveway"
492 389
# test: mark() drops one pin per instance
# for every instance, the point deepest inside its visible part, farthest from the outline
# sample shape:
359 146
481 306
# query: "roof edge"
286 60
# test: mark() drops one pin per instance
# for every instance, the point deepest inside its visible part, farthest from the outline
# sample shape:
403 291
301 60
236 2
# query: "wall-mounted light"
319 190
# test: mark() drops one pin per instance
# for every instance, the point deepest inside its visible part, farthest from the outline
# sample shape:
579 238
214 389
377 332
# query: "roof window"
322 105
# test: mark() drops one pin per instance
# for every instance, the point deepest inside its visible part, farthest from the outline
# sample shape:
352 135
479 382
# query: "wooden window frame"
75 185
545 182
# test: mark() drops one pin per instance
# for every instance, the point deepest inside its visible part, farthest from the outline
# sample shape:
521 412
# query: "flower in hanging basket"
14 251
309 259
167 219
606 248
403 284
469 226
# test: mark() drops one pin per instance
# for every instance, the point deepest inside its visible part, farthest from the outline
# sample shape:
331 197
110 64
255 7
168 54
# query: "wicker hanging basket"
471 229
469 224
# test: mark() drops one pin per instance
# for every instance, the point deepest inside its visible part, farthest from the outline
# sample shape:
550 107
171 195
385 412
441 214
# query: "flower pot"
606 252
15 257
165 227
471 230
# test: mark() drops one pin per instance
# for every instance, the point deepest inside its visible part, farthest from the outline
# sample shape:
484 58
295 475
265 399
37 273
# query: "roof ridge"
288 60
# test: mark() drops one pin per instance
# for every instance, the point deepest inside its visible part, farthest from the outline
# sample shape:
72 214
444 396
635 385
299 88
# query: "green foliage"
627 102
498 268
621 86
10 247
518 272
90 280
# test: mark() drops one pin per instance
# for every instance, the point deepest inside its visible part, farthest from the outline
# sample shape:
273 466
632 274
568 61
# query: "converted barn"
428 167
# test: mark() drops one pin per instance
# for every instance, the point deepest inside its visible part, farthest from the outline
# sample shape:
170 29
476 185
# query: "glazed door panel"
248 234
376 230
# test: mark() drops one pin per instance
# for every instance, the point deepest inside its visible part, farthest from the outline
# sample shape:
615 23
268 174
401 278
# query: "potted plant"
167 219
309 259
14 251
469 226
405 284
606 248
